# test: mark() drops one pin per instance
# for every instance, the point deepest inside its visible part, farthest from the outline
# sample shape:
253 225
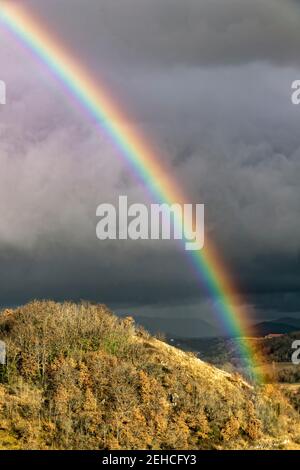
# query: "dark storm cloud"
210 82
170 32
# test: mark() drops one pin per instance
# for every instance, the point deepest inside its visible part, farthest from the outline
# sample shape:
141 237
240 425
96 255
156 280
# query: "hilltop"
78 377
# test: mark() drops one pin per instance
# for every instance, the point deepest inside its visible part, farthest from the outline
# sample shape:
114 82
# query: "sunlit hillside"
78 377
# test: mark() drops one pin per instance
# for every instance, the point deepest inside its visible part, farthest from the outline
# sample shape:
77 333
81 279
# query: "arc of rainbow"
141 157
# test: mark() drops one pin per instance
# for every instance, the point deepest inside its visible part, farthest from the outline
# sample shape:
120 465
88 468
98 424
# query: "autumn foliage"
78 377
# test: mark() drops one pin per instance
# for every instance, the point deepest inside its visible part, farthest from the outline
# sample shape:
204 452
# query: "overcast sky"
209 82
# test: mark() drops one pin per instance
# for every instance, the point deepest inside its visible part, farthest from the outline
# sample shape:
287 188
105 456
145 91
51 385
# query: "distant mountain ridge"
290 321
173 327
278 326
197 328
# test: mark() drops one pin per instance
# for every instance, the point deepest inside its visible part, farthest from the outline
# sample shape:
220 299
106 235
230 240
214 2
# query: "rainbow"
142 159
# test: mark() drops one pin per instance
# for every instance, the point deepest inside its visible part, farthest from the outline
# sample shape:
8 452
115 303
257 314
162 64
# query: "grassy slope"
80 378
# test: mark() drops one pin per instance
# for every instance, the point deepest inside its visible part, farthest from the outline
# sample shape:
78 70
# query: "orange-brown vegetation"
78 377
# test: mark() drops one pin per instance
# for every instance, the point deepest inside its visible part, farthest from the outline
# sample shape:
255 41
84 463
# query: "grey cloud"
169 32
229 133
